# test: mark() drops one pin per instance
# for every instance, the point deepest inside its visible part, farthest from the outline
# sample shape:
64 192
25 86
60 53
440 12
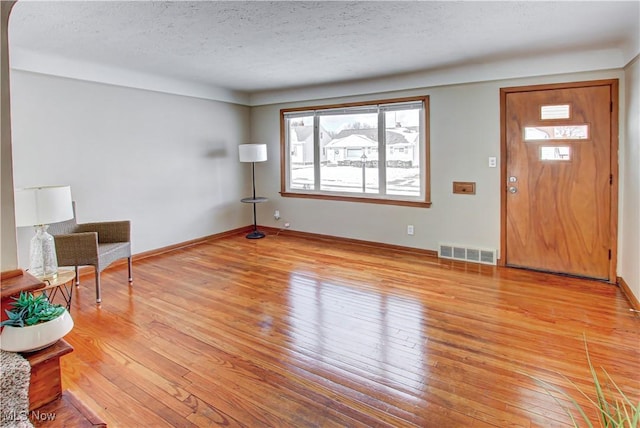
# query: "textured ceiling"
256 45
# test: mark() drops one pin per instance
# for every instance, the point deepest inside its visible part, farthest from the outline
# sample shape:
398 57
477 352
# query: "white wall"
630 175
8 243
465 131
168 163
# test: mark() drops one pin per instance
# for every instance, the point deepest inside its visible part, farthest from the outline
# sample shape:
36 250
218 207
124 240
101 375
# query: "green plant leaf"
31 310
613 412
549 387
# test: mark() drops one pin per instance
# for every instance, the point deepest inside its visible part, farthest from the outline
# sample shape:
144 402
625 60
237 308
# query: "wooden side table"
12 283
63 284
46 378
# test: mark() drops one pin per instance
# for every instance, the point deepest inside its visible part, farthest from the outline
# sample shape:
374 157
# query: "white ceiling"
254 46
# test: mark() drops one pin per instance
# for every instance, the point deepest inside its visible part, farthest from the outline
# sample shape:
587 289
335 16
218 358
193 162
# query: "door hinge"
610 179
609 254
611 107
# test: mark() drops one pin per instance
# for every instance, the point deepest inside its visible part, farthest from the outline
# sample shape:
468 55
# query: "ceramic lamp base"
42 254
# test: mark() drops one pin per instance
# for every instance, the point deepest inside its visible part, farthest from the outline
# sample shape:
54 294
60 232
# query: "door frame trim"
613 227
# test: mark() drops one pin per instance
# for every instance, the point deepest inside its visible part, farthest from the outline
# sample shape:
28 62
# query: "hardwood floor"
294 332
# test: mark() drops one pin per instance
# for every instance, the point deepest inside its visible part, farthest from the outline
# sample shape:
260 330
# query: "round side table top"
255 200
63 277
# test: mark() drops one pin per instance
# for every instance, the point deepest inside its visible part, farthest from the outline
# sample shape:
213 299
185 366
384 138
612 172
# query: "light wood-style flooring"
289 331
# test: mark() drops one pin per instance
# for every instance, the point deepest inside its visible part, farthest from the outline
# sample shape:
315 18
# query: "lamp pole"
253 180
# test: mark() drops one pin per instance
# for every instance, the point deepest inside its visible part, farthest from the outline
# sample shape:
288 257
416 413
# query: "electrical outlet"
410 229
493 162
276 215
287 225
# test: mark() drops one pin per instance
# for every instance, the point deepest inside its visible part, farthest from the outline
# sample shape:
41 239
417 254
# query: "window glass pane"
555 153
555 112
301 153
569 132
349 153
403 156
409 105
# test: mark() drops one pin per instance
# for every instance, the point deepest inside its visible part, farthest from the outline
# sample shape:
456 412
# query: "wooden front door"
558 171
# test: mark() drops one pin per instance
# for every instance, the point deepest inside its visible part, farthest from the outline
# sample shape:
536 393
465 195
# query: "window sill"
378 201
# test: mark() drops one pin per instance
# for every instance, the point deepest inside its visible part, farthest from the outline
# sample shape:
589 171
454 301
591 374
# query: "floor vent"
475 255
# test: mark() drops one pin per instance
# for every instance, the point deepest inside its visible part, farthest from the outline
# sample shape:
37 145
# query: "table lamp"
253 153
39 207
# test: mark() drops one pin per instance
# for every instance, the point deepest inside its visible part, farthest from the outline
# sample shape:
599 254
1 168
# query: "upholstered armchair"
92 244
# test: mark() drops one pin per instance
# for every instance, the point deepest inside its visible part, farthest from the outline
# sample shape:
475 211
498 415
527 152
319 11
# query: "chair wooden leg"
130 271
77 277
98 291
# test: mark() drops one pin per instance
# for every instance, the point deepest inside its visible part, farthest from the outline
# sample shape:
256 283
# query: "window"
368 152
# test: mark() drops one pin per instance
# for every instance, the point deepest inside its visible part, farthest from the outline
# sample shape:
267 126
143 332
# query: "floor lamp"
253 153
39 207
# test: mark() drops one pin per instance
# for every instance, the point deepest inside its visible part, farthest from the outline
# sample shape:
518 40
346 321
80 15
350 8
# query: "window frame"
424 202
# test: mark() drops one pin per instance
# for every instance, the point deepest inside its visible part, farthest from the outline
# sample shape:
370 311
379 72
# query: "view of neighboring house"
351 147
352 151
347 147
301 143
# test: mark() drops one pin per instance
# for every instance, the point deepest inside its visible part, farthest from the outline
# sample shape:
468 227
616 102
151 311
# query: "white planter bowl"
35 337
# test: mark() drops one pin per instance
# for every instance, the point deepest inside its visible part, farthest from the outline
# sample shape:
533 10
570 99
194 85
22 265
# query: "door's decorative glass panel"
555 153
562 111
561 132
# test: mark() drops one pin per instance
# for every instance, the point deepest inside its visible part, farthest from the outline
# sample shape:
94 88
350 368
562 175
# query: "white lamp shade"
252 152
43 205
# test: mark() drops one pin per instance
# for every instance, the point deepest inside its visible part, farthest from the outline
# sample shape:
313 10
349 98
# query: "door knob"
513 189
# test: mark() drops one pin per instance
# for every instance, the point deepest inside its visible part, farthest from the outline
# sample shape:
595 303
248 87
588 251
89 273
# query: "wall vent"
475 255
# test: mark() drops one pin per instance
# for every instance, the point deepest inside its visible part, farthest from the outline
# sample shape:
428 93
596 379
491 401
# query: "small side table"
63 283
255 233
